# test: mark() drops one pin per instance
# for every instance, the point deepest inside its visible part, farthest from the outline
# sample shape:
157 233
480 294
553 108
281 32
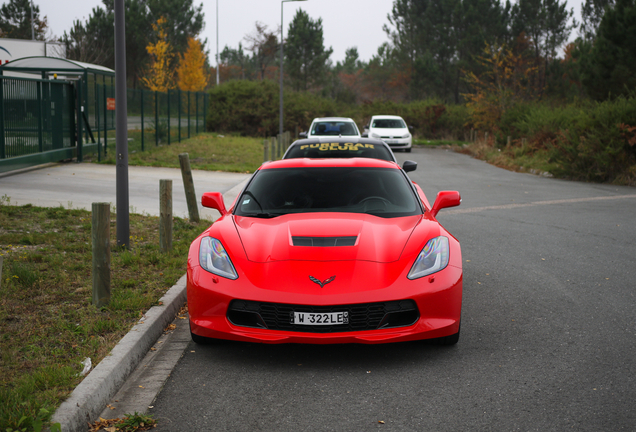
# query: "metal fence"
40 120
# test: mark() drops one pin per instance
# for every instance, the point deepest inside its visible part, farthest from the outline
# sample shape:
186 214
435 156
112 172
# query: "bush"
583 141
251 108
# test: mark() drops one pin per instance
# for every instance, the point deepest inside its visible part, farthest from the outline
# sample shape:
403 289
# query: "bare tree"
263 45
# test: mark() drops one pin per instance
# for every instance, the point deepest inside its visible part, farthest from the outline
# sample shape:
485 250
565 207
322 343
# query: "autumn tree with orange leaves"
508 79
160 76
191 72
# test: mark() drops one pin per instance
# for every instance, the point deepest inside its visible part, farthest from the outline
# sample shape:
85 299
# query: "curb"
90 397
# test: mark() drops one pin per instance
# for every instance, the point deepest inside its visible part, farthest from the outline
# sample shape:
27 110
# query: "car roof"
332 119
387 117
325 163
338 139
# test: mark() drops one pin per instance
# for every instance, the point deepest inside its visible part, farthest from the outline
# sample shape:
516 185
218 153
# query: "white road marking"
536 203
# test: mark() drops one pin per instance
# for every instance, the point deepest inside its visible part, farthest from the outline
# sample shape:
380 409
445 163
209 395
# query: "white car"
390 129
331 126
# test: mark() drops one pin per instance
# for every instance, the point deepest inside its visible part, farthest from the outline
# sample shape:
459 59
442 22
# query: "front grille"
365 316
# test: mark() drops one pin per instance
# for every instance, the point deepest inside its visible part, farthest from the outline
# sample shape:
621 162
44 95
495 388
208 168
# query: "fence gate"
38 120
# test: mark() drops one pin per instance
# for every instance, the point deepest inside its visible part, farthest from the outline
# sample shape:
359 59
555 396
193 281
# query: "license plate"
388 141
310 318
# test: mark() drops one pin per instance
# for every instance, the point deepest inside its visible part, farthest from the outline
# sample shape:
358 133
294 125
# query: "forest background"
448 67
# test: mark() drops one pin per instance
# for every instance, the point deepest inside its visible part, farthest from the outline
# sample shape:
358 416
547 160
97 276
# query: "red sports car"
326 251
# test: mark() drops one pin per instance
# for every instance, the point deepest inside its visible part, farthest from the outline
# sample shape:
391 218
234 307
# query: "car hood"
373 238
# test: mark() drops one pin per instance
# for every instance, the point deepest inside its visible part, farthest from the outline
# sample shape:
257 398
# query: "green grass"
518 157
207 151
436 142
47 322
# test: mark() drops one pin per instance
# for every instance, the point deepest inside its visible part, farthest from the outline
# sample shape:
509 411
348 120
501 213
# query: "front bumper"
437 298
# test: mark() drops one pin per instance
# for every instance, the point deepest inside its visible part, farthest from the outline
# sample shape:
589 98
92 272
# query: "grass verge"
519 157
207 151
48 325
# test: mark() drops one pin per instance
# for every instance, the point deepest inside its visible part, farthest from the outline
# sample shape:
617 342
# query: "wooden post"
508 141
296 132
188 184
265 143
273 149
100 237
486 137
1 259
165 215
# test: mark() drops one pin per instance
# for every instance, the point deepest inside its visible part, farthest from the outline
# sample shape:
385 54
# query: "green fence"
37 120
40 120
156 118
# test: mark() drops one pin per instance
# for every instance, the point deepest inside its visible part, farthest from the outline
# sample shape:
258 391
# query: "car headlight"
408 135
375 135
433 258
213 258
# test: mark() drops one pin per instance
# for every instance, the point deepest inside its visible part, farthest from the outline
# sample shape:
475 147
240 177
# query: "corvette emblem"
323 283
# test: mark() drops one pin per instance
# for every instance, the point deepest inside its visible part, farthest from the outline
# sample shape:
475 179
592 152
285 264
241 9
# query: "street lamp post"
217 42
280 115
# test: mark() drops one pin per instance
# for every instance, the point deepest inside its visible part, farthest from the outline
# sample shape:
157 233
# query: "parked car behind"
390 129
331 126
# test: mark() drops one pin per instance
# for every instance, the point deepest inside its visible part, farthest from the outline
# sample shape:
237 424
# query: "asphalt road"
548 333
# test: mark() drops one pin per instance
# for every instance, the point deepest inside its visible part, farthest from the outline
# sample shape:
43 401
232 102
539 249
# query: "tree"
547 24
160 76
436 40
191 72
592 12
608 67
183 20
505 82
15 21
264 45
234 64
306 59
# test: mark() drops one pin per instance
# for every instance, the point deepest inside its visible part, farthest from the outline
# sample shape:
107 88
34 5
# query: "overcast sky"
346 23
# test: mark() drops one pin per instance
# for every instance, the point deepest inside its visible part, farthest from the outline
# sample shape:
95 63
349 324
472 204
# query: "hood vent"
324 241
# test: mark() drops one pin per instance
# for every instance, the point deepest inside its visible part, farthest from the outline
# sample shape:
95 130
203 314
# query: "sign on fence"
110 104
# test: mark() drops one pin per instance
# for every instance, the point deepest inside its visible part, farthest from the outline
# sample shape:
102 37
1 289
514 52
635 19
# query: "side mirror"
214 200
445 199
409 166
302 135
365 135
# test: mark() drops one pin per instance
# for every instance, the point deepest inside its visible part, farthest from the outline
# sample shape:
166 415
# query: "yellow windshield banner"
337 146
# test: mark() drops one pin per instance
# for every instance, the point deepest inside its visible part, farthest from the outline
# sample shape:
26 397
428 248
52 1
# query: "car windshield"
339 150
334 128
382 192
388 124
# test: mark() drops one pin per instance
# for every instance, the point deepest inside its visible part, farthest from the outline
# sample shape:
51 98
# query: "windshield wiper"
263 215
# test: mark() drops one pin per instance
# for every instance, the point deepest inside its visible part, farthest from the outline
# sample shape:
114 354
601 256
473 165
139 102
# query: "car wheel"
447 340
